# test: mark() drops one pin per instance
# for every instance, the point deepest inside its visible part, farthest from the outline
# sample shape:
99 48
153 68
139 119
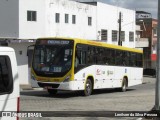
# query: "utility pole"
157 95
120 21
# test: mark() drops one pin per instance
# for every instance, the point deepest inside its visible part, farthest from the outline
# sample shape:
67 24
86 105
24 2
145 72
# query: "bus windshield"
52 58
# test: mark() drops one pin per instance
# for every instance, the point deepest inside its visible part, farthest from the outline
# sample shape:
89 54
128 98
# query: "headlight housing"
32 77
67 78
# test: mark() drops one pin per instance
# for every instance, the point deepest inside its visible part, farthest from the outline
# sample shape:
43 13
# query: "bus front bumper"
72 85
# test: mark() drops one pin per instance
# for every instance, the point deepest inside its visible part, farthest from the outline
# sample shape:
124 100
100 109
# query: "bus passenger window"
77 59
90 59
125 58
139 62
133 59
100 56
109 57
119 56
80 58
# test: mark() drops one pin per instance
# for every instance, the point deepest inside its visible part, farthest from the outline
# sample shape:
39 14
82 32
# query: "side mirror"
30 47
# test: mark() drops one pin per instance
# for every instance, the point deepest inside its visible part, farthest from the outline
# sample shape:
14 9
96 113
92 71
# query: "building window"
122 35
154 48
57 18
155 32
6 79
90 21
104 34
131 36
114 35
31 16
66 18
73 19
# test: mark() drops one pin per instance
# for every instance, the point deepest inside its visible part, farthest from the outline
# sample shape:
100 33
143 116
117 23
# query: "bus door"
80 59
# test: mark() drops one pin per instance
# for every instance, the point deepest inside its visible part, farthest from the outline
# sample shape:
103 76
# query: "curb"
28 87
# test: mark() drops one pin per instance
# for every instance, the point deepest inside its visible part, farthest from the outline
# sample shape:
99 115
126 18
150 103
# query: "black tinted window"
133 59
6 79
119 56
125 58
139 60
109 57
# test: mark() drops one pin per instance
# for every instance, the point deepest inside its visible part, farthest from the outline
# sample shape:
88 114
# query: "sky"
150 6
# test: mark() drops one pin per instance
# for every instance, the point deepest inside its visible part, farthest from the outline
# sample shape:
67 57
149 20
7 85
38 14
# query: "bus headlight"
67 78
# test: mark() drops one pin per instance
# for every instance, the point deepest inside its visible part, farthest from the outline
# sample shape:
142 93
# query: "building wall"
107 18
9 18
138 31
146 28
154 36
22 61
62 29
31 29
154 40
148 25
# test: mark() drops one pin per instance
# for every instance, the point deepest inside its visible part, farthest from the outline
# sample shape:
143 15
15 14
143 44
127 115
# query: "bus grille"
48 85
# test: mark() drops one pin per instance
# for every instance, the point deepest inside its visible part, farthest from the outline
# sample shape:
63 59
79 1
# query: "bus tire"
88 88
52 92
124 85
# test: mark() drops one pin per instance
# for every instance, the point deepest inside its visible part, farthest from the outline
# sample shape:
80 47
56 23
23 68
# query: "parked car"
9 83
149 72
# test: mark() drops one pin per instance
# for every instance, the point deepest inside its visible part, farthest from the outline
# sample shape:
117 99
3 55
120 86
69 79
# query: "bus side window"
125 58
139 60
109 56
119 60
132 59
90 57
113 56
6 79
81 56
100 56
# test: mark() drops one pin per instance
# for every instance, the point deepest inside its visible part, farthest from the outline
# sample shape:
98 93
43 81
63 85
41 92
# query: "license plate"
48 87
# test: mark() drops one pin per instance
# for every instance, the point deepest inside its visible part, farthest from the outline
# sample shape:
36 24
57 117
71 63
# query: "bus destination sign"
53 42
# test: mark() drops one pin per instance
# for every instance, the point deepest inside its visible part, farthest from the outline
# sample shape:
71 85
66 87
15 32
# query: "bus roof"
96 43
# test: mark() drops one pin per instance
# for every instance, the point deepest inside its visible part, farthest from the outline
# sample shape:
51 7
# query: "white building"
140 42
107 19
22 21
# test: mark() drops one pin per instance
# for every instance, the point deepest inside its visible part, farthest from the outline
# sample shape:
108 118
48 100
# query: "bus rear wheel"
124 85
52 92
88 88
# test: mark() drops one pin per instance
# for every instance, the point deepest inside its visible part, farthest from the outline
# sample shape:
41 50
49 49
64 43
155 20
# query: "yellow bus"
77 64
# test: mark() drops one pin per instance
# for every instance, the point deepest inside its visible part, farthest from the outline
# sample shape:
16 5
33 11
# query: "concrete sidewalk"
28 87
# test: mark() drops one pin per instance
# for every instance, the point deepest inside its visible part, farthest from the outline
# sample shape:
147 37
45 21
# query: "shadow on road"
107 91
69 94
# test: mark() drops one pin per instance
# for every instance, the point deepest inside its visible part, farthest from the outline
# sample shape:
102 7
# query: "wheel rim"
88 88
124 86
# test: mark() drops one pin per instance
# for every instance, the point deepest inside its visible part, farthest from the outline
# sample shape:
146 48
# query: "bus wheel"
52 92
88 88
124 85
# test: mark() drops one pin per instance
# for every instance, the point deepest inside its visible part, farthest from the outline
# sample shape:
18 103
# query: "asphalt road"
137 98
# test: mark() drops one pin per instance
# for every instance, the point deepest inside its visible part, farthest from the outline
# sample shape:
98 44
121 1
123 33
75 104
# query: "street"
137 98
